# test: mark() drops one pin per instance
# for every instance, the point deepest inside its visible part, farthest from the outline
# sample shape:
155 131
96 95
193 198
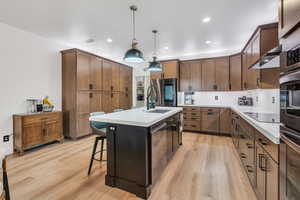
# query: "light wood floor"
204 168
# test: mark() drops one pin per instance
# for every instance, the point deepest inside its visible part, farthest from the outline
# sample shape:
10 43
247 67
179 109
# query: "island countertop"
137 116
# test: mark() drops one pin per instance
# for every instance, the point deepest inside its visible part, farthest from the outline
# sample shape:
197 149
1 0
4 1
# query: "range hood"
269 60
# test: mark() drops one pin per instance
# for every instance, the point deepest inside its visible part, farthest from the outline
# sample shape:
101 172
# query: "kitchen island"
140 144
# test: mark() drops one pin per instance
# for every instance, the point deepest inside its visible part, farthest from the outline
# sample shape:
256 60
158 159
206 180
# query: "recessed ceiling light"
166 48
109 40
208 42
91 40
206 19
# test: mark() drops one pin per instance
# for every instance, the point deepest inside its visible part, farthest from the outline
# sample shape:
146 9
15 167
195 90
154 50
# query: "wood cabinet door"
125 100
83 102
115 81
32 134
289 16
210 122
107 75
170 69
96 73
260 173
244 70
235 72
125 79
185 76
106 102
208 75
96 102
222 73
52 130
195 70
83 71
83 125
255 55
115 99
225 120
272 180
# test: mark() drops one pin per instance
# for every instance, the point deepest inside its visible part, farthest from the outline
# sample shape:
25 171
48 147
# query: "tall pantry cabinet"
91 84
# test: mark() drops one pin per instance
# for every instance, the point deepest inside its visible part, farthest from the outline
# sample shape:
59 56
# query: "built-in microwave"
290 100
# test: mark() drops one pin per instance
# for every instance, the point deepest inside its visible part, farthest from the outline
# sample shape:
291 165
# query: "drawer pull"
249 146
262 142
243 155
249 168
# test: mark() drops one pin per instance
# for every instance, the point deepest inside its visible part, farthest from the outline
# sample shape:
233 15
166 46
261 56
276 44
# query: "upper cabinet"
289 16
263 40
222 73
205 75
235 63
170 70
208 75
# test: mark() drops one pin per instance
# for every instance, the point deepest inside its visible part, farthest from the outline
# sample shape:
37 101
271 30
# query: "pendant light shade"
134 55
155 66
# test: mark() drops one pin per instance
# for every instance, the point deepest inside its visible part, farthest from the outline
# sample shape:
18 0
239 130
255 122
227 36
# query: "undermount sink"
161 111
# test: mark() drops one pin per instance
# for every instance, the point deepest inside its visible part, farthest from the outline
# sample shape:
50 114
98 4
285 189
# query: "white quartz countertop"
270 130
137 116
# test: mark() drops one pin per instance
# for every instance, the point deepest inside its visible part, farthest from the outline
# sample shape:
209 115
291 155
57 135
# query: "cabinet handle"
260 162
249 168
210 113
91 86
112 88
249 146
257 82
229 86
243 155
91 95
112 95
215 87
245 85
262 142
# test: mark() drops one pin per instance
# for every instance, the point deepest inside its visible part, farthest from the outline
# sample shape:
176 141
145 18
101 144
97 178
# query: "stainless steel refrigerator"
166 90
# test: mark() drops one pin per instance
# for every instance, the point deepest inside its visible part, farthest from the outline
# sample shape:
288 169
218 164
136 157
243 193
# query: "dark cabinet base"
140 191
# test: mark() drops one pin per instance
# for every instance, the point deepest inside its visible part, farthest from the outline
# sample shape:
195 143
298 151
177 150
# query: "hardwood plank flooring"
204 168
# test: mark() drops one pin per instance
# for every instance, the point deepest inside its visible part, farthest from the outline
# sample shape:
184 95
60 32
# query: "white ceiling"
179 23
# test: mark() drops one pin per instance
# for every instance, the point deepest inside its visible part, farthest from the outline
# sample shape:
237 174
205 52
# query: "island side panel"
128 159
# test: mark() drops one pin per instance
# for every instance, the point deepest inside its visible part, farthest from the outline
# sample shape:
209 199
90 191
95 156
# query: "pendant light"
155 65
134 55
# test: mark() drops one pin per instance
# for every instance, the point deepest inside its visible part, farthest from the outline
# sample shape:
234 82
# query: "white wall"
262 99
30 67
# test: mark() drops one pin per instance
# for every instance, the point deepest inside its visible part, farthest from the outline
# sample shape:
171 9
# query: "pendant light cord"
133 23
155 42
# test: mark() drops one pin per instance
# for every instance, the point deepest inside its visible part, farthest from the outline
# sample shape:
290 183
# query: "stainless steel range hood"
269 60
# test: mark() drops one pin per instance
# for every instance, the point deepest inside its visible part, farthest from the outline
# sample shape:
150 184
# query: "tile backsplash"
264 100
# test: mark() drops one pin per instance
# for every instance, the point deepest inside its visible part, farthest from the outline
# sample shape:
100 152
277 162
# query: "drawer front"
192 115
210 109
268 145
192 125
191 109
28 120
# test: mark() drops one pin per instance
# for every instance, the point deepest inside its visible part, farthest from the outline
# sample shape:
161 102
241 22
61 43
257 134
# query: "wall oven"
290 127
290 100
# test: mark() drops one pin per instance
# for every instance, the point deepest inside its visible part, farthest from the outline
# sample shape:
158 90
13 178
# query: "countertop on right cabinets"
270 130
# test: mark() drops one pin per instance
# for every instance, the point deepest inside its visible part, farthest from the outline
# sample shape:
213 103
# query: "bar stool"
99 129
5 195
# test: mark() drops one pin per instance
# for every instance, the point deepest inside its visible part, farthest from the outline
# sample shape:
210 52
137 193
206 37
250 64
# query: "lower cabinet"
225 119
31 130
266 175
210 121
259 158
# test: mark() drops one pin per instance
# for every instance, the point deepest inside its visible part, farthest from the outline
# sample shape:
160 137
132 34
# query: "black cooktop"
264 117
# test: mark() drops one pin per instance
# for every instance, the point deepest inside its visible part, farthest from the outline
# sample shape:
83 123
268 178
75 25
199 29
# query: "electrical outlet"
6 138
216 98
273 99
